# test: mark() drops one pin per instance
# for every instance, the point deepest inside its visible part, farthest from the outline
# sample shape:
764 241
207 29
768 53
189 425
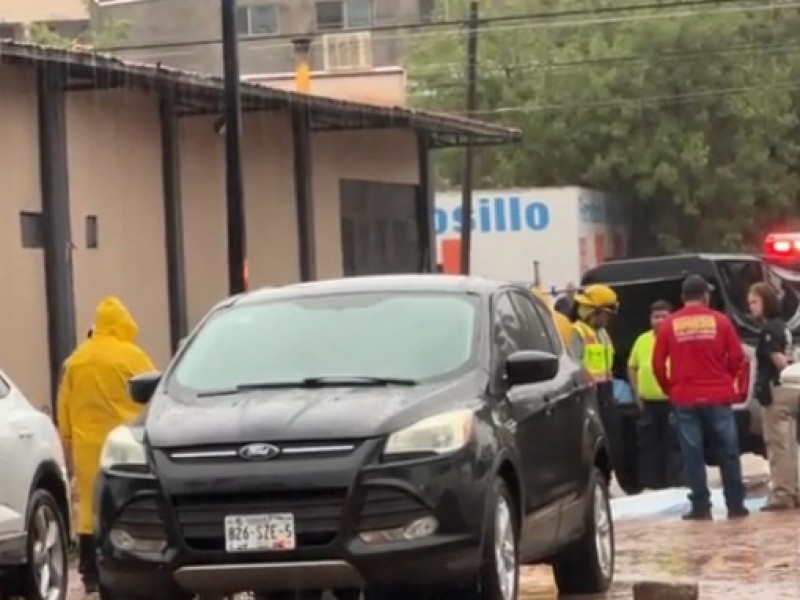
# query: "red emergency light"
782 247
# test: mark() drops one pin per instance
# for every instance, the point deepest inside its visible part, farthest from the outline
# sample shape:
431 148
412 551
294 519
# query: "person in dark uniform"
779 417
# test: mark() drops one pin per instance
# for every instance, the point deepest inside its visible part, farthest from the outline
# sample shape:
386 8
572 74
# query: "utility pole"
237 230
467 173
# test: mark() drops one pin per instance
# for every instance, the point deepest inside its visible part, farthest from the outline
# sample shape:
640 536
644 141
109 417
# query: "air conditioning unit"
344 51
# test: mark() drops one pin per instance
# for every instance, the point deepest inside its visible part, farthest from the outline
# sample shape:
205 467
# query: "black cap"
694 286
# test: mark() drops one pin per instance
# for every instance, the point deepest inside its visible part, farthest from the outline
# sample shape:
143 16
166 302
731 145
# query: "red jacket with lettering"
705 356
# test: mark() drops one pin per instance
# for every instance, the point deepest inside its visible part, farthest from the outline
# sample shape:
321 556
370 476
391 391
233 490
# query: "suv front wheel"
499 576
587 565
45 574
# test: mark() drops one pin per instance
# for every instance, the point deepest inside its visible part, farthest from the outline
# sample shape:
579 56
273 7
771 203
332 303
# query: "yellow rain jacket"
93 397
563 324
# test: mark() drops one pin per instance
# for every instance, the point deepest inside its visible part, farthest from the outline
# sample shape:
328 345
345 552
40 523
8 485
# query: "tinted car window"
535 335
509 336
415 336
549 324
5 389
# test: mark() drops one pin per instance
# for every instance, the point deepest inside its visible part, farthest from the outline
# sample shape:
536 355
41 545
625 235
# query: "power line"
622 102
646 60
459 24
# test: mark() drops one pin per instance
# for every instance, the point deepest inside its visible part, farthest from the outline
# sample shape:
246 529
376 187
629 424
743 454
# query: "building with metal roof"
113 183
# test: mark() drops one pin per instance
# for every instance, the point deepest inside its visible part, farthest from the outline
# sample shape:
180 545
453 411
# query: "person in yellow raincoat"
93 399
563 324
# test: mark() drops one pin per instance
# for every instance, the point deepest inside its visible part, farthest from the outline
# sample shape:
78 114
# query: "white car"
34 501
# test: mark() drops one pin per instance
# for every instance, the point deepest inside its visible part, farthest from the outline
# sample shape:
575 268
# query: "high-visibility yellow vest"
598 351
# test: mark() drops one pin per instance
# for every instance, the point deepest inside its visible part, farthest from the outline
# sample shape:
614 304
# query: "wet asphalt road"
756 558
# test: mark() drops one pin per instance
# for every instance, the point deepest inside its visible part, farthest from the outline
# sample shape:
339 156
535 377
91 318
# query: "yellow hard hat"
598 296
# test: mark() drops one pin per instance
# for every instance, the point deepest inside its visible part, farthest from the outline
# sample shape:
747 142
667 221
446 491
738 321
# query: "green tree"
106 35
691 119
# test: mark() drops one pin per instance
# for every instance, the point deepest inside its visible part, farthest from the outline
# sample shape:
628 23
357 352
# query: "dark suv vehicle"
410 436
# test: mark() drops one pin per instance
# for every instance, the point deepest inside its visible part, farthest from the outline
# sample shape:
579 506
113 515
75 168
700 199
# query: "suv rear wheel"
587 565
46 570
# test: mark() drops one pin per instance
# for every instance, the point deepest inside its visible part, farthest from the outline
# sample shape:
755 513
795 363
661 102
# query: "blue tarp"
668 503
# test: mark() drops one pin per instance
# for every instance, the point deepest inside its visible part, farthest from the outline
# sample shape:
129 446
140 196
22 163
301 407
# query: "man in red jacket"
704 354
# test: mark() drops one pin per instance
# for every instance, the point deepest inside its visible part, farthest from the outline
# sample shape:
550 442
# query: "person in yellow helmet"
595 305
563 324
94 399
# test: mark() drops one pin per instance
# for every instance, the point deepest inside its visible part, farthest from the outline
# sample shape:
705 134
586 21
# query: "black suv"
410 436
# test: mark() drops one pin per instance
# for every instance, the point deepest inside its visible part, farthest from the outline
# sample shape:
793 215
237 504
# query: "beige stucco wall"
23 326
377 155
25 11
386 86
387 155
115 173
269 205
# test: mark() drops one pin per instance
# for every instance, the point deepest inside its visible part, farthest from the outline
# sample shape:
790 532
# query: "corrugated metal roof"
203 94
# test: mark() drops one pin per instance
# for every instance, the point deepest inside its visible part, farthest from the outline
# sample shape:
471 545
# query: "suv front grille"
317 514
389 508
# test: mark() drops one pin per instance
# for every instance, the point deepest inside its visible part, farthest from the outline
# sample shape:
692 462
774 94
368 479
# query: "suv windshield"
401 336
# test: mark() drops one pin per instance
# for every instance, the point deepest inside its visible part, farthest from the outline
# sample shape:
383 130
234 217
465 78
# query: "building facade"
114 183
340 28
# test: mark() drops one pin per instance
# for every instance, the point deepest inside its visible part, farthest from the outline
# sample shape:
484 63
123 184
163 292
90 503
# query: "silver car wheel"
48 554
505 550
603 535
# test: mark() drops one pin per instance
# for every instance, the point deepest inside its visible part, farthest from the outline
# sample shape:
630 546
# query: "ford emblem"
259 452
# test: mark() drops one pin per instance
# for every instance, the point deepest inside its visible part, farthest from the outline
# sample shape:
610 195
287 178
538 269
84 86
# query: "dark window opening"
259 19
31 229
330 15
379 228
92 234
344 14
427 10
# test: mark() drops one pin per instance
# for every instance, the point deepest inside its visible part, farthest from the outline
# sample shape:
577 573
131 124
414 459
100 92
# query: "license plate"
254 533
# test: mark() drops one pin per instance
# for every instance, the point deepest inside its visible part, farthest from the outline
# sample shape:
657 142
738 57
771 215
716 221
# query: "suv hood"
298 414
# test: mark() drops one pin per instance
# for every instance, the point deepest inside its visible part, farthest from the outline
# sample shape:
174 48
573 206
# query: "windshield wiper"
330 381
310 383
348 380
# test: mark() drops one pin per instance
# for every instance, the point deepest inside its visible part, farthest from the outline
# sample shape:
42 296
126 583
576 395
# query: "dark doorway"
380 233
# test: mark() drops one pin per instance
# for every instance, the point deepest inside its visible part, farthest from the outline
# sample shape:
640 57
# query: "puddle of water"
755 558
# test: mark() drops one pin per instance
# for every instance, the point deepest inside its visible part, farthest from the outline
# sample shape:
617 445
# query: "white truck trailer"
566 231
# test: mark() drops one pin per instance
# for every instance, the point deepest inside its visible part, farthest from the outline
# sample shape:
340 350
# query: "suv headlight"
122 448
439 434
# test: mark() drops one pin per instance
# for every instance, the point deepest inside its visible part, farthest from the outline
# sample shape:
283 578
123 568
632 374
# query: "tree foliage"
689 114
97 37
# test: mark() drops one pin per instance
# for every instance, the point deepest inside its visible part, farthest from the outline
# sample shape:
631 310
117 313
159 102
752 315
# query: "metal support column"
467 174
237 230
173 219
56 219
304 194
426 191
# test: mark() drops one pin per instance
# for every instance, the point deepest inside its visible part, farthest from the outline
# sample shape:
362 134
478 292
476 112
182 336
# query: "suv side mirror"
142 387
531 366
